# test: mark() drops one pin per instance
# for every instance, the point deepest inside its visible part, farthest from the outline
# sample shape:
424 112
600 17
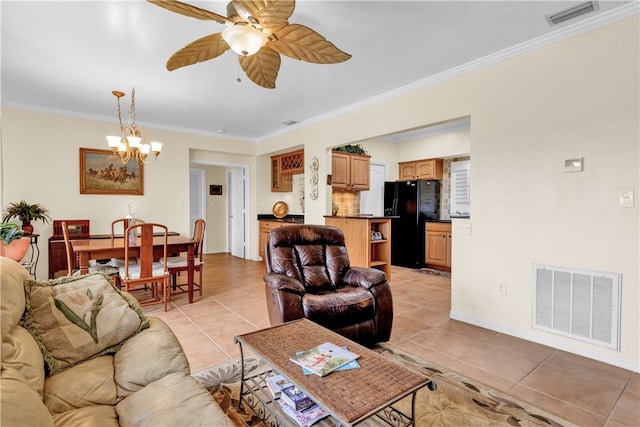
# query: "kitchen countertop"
361 216
296 219
448 221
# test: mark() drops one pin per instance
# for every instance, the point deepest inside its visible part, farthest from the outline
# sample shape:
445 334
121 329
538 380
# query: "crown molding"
566 32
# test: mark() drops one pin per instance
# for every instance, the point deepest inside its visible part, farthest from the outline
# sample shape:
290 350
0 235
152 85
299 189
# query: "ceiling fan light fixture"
244 39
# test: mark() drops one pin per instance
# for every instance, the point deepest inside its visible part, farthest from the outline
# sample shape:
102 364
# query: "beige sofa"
145 382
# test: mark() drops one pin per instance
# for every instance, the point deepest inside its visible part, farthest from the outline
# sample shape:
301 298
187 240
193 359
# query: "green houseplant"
14 245
352 149
26 213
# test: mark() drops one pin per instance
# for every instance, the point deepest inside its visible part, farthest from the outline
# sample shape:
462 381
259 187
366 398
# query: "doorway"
224 235
197 208
372 201
236 212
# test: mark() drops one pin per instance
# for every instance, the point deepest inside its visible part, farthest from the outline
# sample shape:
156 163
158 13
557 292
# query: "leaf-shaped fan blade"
300 42
191 11
201 50
262 68
269 14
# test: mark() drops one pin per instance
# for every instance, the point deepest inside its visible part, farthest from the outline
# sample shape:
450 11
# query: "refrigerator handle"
395 206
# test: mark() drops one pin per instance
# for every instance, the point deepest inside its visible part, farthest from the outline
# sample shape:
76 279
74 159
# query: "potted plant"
26 213
13 243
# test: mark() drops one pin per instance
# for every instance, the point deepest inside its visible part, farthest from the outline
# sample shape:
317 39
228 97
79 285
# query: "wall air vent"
584 305
573 12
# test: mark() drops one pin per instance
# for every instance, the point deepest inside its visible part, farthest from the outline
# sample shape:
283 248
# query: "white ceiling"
67 56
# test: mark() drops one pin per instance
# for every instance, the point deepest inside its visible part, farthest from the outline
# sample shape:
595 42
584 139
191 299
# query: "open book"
324 358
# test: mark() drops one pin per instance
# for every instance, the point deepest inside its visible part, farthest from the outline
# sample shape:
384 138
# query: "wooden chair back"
68 248
122 223
145 243
198 236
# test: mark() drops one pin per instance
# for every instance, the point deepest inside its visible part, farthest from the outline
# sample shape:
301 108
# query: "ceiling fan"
259 32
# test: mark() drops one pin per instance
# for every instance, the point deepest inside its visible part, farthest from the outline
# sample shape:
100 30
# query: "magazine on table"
304 418
276 383
324 358
350 365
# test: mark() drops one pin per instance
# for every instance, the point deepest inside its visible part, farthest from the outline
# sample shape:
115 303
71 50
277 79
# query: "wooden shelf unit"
363 250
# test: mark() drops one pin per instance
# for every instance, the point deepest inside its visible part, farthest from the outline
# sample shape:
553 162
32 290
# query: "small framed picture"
215 190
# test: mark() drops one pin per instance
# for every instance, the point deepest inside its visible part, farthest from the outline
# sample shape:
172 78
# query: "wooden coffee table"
350 396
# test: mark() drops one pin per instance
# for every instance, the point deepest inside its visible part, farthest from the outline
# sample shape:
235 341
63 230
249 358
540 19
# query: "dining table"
95 249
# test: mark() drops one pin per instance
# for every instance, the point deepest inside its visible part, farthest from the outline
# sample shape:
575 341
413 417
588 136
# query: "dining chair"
72 262
119 224
145 271
178 264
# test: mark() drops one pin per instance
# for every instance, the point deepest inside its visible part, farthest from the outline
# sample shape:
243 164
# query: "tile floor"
586 392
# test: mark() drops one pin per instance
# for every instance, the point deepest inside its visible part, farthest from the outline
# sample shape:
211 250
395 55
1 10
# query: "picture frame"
101 172
215 190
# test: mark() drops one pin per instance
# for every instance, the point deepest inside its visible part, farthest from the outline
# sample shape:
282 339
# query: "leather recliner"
308 275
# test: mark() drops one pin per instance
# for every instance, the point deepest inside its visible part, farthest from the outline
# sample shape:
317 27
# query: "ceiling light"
132 141
244 39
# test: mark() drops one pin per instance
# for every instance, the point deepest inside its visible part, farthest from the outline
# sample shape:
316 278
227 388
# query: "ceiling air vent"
573 12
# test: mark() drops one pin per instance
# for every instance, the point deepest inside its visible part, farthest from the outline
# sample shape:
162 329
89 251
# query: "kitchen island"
367 238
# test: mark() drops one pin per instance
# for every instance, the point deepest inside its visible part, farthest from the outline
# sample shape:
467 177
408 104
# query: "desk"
114 248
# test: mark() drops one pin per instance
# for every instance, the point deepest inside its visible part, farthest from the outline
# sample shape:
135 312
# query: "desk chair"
72 260
146 272
177 264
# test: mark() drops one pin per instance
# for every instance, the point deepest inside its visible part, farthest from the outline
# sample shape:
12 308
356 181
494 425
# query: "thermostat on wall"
573 165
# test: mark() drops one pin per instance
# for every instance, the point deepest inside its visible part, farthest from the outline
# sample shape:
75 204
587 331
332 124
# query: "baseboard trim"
549 341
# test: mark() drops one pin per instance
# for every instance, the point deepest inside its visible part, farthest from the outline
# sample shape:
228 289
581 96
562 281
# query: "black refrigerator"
414 202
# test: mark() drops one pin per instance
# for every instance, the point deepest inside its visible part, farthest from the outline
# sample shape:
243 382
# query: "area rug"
457 401
433 272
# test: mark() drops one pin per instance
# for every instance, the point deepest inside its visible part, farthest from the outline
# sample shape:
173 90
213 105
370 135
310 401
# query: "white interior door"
372 201
197 207
237 212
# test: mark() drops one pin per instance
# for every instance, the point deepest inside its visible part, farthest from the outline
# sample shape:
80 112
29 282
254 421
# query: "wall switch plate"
502 288
462 228
573 165
625 199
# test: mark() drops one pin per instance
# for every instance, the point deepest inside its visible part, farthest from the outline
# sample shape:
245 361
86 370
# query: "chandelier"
132 141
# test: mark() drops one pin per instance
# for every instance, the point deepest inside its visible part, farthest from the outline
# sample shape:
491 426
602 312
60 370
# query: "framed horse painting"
102 172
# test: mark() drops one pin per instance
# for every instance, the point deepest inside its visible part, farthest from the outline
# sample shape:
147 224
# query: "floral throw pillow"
76 318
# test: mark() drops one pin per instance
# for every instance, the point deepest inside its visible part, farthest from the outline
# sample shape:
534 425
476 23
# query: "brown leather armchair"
308 275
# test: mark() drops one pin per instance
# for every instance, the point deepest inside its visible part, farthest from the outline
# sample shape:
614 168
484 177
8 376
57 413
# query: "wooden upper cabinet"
420 169
283 167
350 171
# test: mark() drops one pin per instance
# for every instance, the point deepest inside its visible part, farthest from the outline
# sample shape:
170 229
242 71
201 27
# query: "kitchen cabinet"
368 240
283 167
438 245
263 229
350 171
420 169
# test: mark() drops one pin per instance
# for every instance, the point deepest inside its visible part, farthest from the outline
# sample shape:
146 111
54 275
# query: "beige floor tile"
565 409
581 387
626 412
